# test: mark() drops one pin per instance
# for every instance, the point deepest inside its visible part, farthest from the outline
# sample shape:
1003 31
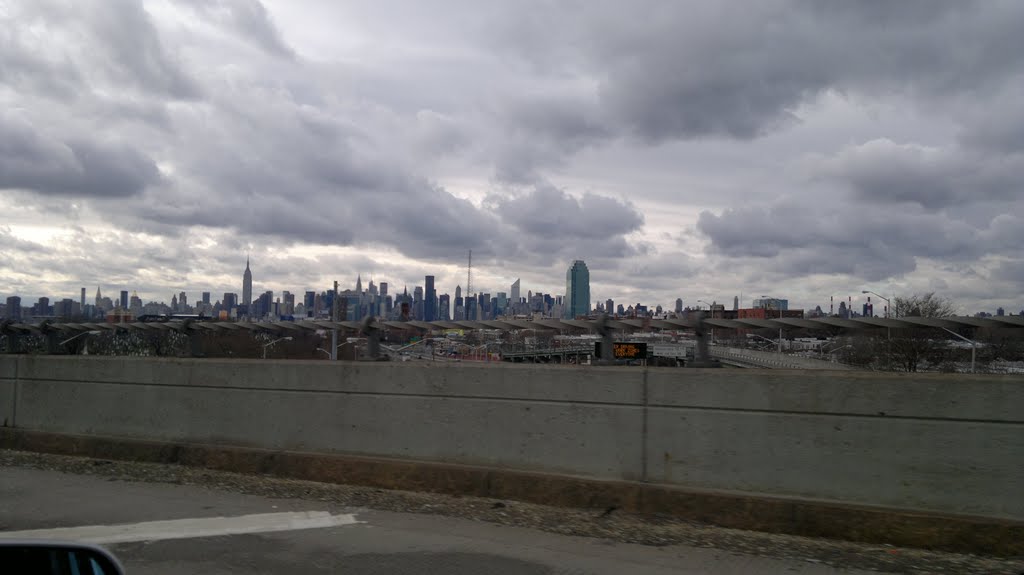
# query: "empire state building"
247 285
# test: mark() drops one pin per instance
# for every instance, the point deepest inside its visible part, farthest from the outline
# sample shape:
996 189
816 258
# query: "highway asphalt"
262 535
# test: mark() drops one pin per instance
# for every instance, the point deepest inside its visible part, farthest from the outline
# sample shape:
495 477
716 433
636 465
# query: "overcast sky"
702 150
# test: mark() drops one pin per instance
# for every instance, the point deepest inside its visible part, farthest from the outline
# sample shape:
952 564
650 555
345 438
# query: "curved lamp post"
266 345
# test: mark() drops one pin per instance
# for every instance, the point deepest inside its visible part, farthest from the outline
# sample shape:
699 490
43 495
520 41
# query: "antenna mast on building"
469 274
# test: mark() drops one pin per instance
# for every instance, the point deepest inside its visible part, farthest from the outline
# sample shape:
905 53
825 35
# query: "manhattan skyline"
679 148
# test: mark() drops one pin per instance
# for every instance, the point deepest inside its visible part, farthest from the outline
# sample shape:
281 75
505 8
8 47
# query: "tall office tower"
309 300
483 306
444 304
247 285
577 290
514 292
429 299
183 302
62 308
14 307
417 303
99 298
383 290
174 303
289 303
206 298
500 303
371 289
229 302
135 304
82 303
679 305
609 307
359 283
124 299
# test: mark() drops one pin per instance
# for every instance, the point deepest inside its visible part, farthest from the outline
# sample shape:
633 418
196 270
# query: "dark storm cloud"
50 165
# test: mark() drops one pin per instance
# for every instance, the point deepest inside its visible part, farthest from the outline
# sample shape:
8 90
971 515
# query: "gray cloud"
132 51
246 17
884 172
877 245
48 165
551 214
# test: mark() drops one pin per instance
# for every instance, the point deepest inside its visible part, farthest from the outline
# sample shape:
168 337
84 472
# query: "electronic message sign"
624 350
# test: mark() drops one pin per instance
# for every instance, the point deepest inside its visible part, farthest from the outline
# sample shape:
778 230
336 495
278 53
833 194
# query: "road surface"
166 528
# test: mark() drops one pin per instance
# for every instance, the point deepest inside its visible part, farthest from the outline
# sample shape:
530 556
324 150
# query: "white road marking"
188 528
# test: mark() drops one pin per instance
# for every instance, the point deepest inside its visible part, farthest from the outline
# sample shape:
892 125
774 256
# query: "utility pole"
334 318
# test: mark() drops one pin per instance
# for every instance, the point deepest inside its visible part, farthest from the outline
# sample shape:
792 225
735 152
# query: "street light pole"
76 336
712 312
266 345
888 304
974 345
334 318
780 317
888 330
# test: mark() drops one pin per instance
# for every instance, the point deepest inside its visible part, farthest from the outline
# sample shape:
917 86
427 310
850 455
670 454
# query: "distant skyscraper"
206 298
99 297
609 307
577 290
514 292
124 299
14 307
247 285
444 305
679 305
82 303
735 303
383 290
771 303
429 299
359 283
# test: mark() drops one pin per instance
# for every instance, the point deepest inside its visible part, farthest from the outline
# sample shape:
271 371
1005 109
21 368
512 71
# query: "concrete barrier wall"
941 443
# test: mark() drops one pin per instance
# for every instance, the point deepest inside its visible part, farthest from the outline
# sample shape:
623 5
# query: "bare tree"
911 348
923 305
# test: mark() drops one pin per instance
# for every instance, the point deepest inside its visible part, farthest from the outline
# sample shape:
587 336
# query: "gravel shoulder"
611 524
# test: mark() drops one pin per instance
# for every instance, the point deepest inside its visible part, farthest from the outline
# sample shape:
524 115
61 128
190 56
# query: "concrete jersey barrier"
929 442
